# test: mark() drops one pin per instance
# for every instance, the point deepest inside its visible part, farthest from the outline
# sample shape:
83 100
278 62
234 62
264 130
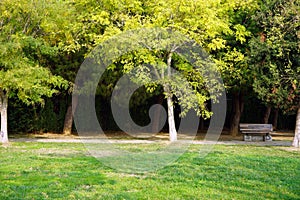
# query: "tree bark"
171 118
237 112
201 124
275 119
267 115
3 111
297 130
68 123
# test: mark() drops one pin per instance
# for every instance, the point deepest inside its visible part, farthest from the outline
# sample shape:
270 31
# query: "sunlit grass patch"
66 171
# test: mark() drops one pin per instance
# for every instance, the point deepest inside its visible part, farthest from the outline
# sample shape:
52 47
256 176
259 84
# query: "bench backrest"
259 127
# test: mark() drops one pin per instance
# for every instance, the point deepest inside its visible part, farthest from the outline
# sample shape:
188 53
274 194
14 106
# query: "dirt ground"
225 136
282 140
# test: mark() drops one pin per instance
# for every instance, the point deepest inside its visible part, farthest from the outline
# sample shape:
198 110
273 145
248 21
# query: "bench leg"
268 137
247 138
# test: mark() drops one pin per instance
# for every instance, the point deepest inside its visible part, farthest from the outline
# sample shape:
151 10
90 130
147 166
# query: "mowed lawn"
66 171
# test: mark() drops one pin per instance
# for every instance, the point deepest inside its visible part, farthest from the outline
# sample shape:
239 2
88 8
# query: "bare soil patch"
283 138
225 136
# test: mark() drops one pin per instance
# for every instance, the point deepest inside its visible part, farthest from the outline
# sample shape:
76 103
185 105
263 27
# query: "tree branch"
26 24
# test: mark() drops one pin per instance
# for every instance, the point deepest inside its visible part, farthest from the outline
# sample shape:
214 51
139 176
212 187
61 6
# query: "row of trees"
254 43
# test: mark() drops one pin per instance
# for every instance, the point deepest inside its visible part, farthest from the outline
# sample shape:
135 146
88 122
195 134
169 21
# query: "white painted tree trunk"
171 119
3 112
297 130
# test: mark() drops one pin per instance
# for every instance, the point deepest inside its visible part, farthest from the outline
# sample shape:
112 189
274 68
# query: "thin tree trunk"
3 111
275 119
267 115
297 130
68 123
238 109
156 120
171 118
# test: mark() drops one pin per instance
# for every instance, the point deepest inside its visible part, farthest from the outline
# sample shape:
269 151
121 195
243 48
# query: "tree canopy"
275 54
27 40
254 43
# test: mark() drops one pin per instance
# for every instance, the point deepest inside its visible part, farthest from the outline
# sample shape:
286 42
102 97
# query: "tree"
202 21
149 56
163 62
26 41
275 56
84 22
233 59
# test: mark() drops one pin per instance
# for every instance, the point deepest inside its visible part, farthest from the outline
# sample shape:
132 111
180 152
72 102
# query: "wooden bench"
254 132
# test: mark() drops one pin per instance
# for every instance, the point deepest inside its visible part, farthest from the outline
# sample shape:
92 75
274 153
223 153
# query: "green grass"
66 171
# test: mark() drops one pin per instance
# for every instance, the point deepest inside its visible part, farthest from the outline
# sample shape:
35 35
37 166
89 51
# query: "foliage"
232 59
275 54
36 118
203 22
27 39
255 44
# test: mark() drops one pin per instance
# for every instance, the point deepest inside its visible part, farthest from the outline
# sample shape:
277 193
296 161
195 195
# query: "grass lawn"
65 171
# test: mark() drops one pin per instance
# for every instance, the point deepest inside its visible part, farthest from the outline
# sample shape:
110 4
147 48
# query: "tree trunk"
275 119
69 117
3 111
267 115
171 118
68 121
157 114
237 112
297 130
201 124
